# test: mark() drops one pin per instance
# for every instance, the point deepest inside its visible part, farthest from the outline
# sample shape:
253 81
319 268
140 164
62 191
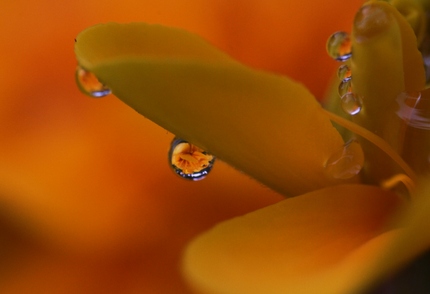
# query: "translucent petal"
264 125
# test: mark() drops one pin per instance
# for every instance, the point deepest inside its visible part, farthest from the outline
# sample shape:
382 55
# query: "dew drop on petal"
89 84
351 103
339 46
344 87
344 72
346 162
189 161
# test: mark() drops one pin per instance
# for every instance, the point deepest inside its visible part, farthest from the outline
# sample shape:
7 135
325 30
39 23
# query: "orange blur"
88 203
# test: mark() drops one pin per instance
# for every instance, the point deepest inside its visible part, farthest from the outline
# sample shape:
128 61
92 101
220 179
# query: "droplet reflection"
344 72
189 161
347 162
89 84
344 87
351 103
339 46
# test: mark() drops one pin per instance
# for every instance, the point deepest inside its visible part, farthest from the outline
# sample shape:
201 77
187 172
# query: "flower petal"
320 240
385 63
265 125
413 239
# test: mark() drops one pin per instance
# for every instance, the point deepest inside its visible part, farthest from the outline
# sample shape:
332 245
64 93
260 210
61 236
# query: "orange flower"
88 203
338 236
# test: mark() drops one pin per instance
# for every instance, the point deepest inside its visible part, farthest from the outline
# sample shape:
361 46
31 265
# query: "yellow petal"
317 241
265 125
386 60
385 63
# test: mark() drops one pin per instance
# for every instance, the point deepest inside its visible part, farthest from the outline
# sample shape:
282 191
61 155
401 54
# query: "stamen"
376 140
399 178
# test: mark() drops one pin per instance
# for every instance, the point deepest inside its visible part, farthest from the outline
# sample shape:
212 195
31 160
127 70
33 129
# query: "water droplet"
189 161
414 109
89 84
351 103
339 46
344 72
344 87
346 162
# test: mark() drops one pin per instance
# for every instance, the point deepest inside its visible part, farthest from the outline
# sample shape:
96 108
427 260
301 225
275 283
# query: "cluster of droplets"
348 161
189 161
339 48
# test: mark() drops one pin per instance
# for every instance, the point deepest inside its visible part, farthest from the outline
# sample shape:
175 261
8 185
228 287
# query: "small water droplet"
414 109
344 87
346 162
339 46
344 72
351 103
189 161
89 84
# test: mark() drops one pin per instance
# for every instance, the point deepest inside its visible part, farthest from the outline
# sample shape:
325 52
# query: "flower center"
381 92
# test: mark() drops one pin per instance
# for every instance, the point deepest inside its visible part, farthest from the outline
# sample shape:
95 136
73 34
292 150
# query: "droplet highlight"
351 103
344 72
189 161
339 46
89 84
346 162
344 87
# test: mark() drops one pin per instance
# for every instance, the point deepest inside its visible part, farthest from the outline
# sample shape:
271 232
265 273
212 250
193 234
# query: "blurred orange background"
88 203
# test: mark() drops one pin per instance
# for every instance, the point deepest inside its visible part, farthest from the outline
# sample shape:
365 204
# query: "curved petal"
320 240
238 114
385 62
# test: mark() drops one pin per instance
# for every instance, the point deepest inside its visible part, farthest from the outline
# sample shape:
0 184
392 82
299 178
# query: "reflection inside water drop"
344 72
89 84
344 87
339 46
347 162
189 161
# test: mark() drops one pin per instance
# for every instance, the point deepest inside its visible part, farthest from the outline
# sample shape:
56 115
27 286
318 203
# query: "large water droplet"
189 161
344 72
347 162
339 46
351 103
89 84
344 87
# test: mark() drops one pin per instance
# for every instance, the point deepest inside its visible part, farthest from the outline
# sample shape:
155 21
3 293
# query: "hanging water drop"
339 46
344 87
347 162
89 84
351 103
344 72
189 161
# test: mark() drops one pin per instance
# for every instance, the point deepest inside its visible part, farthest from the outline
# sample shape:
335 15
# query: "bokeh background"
88 203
